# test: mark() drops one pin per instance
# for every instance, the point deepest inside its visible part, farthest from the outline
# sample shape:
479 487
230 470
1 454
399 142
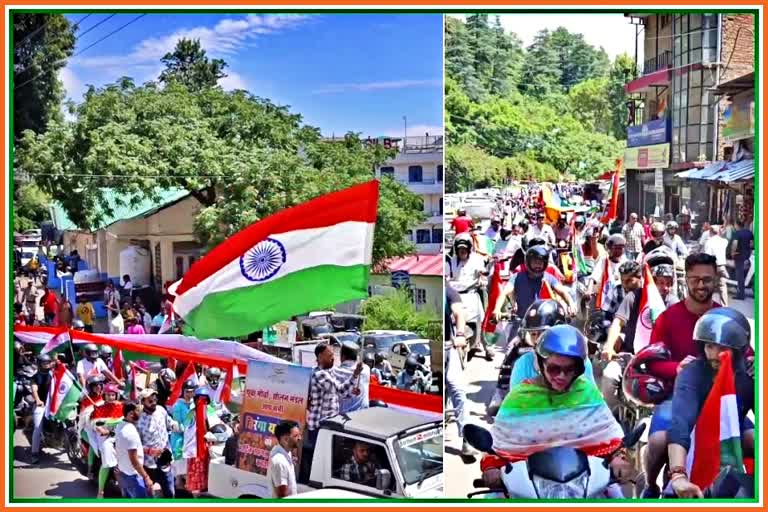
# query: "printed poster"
273 392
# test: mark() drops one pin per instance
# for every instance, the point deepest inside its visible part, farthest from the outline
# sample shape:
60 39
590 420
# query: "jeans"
454 388
132 486
740 271
166 480
306 454
37 433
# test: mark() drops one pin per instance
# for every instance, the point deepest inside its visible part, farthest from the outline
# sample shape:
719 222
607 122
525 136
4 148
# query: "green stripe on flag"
243 310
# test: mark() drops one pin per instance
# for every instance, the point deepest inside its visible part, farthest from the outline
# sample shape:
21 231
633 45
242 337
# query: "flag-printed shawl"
533 418
716 438
300 259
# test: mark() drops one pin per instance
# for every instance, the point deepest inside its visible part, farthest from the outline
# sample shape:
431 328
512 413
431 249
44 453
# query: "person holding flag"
606 271
711 399
41 386
92 364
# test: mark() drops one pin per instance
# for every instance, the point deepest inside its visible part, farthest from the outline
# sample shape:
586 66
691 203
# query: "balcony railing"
423 181
660 61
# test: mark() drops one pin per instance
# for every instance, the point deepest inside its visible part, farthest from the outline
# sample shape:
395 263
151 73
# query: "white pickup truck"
407 449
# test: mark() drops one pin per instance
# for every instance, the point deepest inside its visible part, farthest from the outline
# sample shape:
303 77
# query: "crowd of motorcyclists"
117 434
574 378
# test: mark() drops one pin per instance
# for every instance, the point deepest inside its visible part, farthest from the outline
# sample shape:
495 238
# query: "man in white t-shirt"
717 246
92 364
131 475
541 230
281 472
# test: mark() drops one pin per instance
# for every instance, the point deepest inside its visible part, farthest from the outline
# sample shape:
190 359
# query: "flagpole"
71 349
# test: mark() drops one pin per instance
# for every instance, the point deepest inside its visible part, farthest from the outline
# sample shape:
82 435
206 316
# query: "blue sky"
359 72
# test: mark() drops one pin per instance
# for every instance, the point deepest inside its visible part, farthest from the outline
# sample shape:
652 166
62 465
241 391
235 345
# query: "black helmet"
537 252
411 363
533 242
369 359
44 359
464 241
543 314
94 380
663 271
190 384
723 326
380 357
563 340
630 268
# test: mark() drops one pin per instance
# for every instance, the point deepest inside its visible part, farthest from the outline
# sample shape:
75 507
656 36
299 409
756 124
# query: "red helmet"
639 385
111 388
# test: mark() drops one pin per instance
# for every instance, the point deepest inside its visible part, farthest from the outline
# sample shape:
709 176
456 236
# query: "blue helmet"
202 391
563 340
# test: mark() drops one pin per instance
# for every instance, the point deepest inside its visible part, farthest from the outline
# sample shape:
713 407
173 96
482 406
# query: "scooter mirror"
633 437
478 437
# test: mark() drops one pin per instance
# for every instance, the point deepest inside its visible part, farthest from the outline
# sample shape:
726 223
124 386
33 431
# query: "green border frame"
393 10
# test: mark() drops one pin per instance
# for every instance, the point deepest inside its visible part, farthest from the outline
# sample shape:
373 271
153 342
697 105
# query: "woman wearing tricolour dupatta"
559 408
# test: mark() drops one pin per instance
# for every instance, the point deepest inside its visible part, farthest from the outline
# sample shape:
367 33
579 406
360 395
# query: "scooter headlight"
573 489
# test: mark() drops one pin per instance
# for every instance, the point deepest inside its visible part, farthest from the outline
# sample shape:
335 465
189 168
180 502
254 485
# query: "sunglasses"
703 280
554 370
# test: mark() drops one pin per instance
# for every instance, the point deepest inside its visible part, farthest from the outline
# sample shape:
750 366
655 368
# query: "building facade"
419 166
675 113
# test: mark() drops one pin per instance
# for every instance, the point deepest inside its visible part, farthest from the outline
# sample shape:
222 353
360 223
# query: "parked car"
382 341
402 349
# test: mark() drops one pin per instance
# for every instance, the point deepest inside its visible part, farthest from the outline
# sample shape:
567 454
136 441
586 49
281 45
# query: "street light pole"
405 132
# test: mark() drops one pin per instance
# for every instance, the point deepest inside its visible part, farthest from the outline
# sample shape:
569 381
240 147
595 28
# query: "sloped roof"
143 208
418 264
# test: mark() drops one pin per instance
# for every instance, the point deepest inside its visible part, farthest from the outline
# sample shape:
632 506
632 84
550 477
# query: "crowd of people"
563 366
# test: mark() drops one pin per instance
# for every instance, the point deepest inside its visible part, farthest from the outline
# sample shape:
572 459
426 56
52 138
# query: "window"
179 267
420 296
387 171
415 174
437 235
357 461
440 176
441 206
422 236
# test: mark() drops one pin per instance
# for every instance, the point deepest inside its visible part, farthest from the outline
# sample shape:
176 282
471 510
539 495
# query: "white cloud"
227 37
376 86
73 87
233 81
417 130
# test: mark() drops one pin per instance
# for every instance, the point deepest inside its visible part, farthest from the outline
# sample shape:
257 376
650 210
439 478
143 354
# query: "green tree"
397 312
622 72
541 71
30 207
241 156
507 60
459 58
590 104
41 45
189 65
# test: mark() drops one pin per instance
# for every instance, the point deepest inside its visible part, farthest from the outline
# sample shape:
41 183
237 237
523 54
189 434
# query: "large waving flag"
304 258
716 438
62 395
612 212
55 342
602 290
651 306
489 326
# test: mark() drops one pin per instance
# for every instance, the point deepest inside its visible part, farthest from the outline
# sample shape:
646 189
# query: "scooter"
555 473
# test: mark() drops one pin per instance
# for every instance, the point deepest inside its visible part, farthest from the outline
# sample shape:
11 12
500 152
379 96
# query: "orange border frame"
364 3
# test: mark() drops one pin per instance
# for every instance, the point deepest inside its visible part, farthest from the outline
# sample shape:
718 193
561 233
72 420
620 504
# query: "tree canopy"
556 107
241 156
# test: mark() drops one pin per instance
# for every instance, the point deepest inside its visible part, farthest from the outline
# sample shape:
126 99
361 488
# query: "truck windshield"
420 455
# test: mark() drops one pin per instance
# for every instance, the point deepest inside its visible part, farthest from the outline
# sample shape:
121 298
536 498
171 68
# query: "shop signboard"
273 392
739 118
648 134
647 157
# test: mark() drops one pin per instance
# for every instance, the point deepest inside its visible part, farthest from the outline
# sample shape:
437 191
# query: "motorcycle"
23 402
514 349
554 473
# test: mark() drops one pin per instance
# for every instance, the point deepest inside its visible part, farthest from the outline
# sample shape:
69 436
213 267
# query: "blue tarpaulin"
725 172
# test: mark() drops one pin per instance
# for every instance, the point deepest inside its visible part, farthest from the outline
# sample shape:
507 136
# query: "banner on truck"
273 392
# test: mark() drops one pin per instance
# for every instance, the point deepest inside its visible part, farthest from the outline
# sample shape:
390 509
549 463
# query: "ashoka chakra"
263 260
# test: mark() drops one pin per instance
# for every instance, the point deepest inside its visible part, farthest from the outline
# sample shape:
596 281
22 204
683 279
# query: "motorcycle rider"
41 384
105 353
164 385
561 399
492 233
104 419
466 269
462 223
718 330
657 238
412 378
92 364
578 223
382 369
563 230
542 315
94 388
630 278
454 341
541 230
674 242
215 386
609 263
524 287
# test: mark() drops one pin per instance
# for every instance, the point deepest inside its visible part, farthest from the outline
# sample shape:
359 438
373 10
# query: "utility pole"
405 131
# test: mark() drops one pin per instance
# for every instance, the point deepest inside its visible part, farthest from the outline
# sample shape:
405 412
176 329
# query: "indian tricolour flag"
716 438
304 258
651 306
62 395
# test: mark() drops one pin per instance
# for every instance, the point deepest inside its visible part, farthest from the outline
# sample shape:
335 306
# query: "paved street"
54 477
480 376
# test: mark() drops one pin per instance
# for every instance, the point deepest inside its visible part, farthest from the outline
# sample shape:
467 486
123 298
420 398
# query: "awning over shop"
660 77
726 172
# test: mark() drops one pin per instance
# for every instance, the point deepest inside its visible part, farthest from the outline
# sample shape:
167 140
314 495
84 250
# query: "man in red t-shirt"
462 223
50 305
674 328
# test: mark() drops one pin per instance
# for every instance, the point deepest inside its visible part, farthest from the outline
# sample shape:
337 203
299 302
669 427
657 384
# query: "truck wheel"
248 497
